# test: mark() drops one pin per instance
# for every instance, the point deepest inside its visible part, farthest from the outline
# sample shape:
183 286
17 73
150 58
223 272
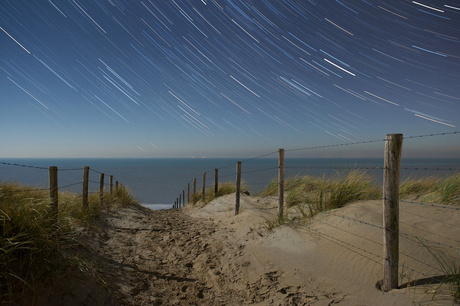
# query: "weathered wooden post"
391 172
280 183
180 204
188 193
116 186
85 188
216 182
53 180
183 197
111 184
101 189
203 192
194 191
238 185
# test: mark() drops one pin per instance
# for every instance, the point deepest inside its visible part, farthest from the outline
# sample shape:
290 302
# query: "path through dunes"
209 256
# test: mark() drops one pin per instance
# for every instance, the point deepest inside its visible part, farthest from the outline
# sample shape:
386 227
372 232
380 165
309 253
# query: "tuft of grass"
451 268
223 189
271 224
432 189
31 239
329 193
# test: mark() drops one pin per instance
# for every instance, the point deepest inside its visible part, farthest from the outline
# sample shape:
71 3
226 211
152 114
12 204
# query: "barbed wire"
432 205
379 244
407 236
430 169
431 135
23 166
431 233
337 168
91 169
70 169
334 145
428 218
69 185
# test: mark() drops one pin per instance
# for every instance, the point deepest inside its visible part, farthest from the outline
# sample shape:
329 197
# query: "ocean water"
156 183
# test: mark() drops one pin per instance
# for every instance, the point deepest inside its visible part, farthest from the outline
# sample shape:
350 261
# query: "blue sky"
216 78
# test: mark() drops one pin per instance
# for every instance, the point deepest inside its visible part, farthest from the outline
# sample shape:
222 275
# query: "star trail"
149 78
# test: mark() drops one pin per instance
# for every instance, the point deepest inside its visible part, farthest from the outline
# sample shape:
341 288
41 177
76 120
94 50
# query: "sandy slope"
209 256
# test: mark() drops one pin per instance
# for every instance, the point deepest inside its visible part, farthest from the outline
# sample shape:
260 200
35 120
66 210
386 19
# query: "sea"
157 182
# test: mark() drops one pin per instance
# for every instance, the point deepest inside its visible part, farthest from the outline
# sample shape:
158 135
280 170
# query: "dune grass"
321 193
31 238
432 189
223 189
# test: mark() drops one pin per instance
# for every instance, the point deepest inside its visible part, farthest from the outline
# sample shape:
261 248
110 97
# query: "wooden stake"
238 186
216 182
111 184
101 189
53 180
203 192
188 193
391 173
85 188
194 191
280 183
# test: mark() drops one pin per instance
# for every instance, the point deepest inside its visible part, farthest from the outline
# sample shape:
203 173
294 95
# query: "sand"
209 256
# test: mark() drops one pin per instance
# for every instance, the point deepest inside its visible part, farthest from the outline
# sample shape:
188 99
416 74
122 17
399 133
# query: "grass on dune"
321 193
432 189
223 189
31 238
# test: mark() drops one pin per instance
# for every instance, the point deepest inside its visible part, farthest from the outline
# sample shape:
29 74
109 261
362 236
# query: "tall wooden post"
203 191
101 189
280 183
116 186
53 180
238 186
180 203
216 182
194 191
392 163
188 193
85 188
111 184
183 197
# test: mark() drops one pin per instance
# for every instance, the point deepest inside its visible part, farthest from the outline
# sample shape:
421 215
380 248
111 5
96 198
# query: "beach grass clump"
222 189
354 186
32 238
432 189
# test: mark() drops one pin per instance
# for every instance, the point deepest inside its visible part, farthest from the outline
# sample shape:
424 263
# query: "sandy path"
166 257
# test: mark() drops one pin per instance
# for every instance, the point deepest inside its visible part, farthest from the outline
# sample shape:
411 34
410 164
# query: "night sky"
215 78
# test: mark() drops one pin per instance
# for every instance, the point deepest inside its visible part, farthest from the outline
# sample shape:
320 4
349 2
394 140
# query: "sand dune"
209 256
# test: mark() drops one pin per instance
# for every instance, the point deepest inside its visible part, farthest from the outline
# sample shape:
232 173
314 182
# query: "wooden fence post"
111 184
237 189
183 197
194 191
392 163
180 203
53 180
216 182
203 192
101 189
188 193
280 183
85 188
116 186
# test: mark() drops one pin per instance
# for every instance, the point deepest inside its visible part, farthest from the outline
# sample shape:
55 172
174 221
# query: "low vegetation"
321 193
223 189
32 240
432 189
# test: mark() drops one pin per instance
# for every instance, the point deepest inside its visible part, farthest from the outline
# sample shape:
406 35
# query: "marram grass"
432 189
31 238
